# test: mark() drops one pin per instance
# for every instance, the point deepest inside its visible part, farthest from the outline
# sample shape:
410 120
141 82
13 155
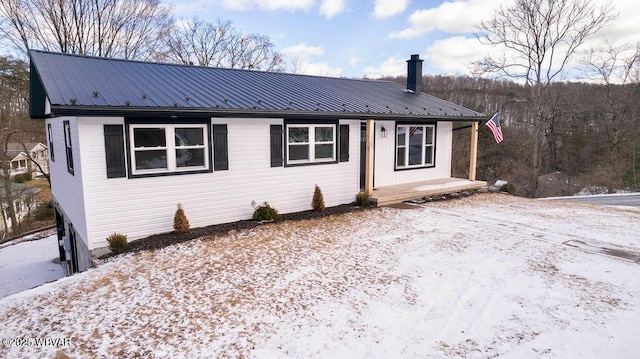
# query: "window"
168 148
50 137
67 145
415 146
311 143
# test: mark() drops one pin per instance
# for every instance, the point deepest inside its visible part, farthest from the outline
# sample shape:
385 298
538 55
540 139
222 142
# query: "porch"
387 195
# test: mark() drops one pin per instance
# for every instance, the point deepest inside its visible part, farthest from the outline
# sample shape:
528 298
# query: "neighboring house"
23 202
19 158
130 140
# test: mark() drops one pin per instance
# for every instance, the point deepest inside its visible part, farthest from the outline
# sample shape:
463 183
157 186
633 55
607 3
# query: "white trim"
311 143
423 144
170 148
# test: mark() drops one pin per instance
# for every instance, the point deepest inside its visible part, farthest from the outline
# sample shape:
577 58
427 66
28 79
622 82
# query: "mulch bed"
162 240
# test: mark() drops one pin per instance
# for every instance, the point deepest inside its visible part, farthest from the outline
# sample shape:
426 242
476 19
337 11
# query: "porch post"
368 182
473 153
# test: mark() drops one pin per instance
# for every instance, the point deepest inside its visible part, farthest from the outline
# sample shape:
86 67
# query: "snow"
478 277
28 264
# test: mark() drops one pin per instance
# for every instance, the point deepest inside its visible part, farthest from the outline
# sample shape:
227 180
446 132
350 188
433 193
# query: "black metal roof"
83 85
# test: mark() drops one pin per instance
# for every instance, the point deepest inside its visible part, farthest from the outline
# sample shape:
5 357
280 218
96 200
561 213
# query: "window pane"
401 135
149 137
189 136
428 139
324 134
428 153
298 152
298 134
190 157
324 151
146 160
400 157
415 145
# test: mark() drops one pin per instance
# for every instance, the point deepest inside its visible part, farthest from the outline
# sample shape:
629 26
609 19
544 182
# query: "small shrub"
180 221
508 187
362 199
44 212
22 177
265 212
318 200
117 242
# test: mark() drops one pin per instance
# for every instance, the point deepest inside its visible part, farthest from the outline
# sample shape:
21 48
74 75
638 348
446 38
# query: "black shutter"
344 143
220 148
276 146
114 151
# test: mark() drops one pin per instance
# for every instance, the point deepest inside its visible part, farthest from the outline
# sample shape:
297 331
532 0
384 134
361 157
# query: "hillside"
484 276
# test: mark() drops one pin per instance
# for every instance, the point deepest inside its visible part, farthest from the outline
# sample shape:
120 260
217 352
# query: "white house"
21 158
130 140
24 203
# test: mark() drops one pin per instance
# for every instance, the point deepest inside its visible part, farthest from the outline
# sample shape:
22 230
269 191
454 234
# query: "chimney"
414 74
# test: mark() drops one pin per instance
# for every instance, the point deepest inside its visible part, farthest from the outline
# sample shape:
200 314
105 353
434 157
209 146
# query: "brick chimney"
414 74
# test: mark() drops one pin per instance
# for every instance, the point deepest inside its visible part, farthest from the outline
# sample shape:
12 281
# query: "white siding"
68 188
384 168
143 206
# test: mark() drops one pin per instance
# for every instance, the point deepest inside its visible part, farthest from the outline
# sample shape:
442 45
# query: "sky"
358 38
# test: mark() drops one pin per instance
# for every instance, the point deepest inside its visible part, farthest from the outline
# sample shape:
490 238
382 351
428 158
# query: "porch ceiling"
387 195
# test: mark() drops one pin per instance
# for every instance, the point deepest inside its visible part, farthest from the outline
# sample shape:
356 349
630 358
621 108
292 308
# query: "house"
22 159
24 203
129 141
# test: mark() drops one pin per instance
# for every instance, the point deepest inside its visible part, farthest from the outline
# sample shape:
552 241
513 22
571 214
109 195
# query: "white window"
311 143
168 148
415 146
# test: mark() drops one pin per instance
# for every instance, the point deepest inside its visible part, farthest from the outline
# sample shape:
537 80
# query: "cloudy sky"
356 38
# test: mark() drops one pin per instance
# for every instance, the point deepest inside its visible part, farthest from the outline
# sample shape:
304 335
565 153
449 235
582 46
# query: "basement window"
160 149
415 146
307 144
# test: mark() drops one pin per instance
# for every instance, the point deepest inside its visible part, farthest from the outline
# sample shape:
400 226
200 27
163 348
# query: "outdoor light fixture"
384 132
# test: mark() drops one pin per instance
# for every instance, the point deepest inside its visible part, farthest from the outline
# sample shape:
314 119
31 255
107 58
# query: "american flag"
494 127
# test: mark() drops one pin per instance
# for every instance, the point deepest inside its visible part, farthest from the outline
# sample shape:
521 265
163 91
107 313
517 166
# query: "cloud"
303 59
303 51
388 8
331 8
453 55
288 5
452 17
393 66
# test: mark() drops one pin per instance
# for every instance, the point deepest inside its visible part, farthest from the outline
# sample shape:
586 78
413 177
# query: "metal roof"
77 85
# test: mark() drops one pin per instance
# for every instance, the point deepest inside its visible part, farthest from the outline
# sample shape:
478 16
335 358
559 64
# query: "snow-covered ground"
28 264
479 277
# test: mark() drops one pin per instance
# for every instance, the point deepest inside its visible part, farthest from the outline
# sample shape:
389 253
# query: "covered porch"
391 194
387 195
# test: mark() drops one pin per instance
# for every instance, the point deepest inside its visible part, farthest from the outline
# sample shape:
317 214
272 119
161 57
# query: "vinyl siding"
384 168
143 206
68 189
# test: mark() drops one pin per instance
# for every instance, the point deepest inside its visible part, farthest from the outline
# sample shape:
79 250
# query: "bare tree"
128 29
197 42
541 38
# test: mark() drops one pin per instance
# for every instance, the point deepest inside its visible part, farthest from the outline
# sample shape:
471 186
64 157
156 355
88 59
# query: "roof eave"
66 110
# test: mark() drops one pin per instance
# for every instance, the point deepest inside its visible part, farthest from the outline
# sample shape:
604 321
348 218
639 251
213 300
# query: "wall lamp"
384 132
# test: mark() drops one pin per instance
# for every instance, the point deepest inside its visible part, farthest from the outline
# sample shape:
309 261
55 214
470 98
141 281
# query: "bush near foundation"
117 242
265 212
318 200
180 221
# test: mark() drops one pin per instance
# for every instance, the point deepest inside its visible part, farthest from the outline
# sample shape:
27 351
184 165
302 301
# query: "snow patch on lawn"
28 264
472 278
